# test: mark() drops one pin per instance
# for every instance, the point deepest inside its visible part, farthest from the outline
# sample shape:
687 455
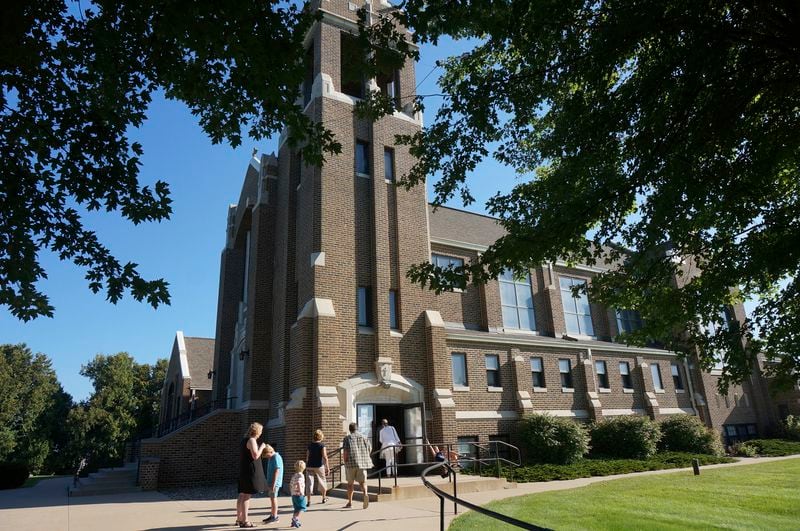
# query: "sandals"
324 499
247 524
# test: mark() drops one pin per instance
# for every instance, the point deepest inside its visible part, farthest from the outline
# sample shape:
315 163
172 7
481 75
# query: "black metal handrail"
191 415
442 495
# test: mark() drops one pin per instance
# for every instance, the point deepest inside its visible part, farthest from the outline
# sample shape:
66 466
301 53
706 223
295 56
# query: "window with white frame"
516 299
537 373
602 374
625 375
712 328
565 368
362 157
655 370
446 262
493 371
677 376
628 320
577 311
459 361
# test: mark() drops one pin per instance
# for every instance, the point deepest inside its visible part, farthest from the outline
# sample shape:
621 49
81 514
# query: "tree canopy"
75 81
658 138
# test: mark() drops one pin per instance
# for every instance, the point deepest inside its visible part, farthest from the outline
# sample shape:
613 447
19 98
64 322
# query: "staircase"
120 480
411 487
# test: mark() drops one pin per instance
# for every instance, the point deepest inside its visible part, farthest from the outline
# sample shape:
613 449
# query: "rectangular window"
677 378
537 372
388 164
565 368
394 322
493 371
625 375
602 375
516 298
467 446
445 262
308 79
577 311
628 321
350 61
499 445
364 310
459 360
655 370
388 82
362 157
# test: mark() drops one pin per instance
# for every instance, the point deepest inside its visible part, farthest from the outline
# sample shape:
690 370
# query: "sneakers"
270 519
296 523
366 500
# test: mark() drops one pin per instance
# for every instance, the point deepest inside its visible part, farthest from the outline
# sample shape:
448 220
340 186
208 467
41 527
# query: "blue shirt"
275 463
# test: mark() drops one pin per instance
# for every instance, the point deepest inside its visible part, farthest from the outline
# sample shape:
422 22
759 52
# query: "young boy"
274 475
298 490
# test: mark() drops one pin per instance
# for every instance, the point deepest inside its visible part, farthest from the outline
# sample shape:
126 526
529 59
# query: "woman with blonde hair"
251 473
317 466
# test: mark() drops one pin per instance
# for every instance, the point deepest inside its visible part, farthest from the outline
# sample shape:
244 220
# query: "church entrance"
407 419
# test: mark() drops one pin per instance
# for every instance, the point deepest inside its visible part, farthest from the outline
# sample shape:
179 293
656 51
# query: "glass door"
365 418
414 432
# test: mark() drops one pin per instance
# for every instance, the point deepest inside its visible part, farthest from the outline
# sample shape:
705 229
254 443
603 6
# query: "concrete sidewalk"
46 506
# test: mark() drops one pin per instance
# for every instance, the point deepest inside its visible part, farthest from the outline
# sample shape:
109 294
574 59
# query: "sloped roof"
200 356
461 226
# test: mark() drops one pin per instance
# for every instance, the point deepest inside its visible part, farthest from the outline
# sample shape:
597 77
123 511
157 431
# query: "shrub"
791 427
687 433
744 449
13 475
625 437
774 447
549 439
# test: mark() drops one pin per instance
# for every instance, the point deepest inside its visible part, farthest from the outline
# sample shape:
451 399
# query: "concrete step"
358 496
101 491
113 477
415 489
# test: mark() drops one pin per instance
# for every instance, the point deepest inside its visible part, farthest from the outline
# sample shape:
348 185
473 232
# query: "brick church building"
318 326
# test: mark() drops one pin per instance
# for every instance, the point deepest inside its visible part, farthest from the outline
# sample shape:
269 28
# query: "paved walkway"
46 506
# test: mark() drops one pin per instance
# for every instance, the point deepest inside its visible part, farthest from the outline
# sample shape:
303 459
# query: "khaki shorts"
315 475
359 475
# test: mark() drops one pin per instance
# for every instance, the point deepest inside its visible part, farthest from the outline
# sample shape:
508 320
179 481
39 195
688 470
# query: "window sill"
604 389
519 331
567 389
578 337
494 389
660 391
627 391
364 175
680 391
460 388
366 330
395 333
388 181
540 389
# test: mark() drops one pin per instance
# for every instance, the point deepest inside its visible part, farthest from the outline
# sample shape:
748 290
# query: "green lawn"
763 496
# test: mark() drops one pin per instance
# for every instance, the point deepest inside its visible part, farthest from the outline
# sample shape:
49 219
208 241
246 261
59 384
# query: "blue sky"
185 250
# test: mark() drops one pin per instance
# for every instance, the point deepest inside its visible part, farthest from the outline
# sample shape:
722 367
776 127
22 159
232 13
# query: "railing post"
497 460
396 468
441 513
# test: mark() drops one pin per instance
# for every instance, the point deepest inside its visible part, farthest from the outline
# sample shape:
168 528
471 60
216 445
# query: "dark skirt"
251 473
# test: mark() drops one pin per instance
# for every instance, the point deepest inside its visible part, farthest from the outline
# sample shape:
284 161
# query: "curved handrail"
442 495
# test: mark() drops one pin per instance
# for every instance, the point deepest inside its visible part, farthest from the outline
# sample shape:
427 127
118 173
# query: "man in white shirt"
389 438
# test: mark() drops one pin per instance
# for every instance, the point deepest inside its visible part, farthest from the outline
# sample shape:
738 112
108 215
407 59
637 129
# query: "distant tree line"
42 427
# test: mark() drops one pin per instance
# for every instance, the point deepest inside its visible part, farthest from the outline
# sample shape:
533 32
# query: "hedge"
687 433
768 447
631 437
555 440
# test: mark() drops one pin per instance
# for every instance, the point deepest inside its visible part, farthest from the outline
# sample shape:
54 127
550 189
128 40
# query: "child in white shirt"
298 490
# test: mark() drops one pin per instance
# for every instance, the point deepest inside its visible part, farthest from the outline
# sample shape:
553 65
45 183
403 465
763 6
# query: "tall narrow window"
364 310
246 272
459 361
445 262
655 370
388 164
577 312
493 370
394 322
537 373
350 61
565 368
308 79
388 82
677 378
625 375
713 328
602 375
362 157
628 320
516 298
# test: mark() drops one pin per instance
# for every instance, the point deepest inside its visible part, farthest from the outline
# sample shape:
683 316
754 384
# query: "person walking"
355 452
297 488
251 474
389 441
317 461
274 481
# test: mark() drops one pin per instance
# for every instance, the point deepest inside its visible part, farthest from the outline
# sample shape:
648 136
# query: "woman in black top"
251 474
316 467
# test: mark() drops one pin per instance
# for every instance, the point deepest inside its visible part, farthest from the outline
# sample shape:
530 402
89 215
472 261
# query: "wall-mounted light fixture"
211 374
243 354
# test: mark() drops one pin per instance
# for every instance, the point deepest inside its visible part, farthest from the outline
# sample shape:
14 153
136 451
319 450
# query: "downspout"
691 388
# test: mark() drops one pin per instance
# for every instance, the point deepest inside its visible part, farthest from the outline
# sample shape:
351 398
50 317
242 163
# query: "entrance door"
414 432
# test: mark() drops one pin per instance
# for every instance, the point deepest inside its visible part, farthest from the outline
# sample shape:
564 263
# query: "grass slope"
761 496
